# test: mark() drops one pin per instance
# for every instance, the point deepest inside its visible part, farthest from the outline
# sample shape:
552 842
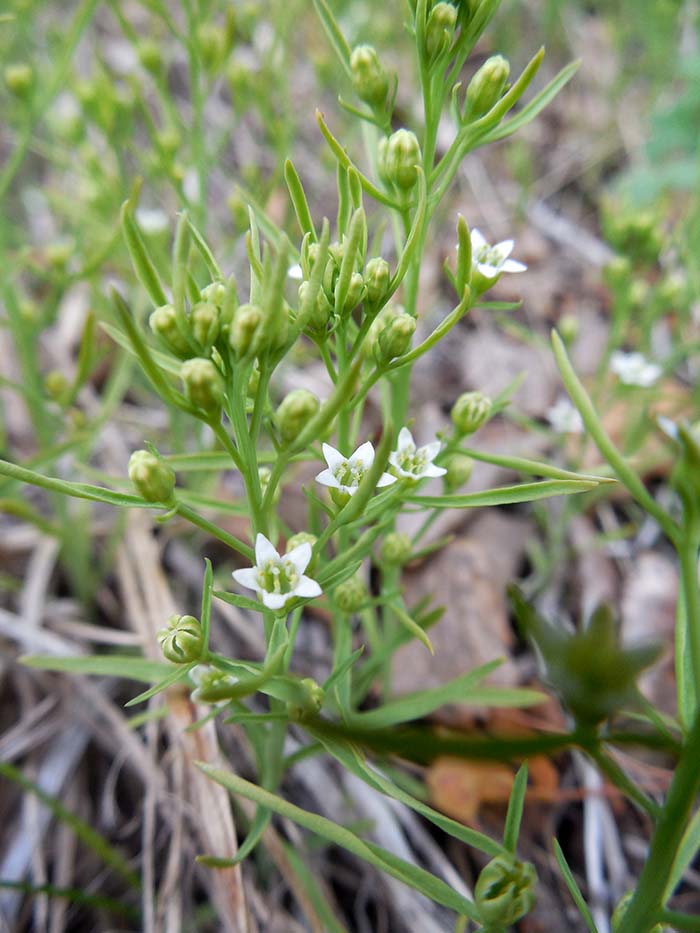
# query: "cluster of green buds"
390 334
505 891
182 639
107 104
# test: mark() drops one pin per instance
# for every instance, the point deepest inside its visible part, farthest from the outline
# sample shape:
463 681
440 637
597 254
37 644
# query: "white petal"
477 239
294 272
348 490
504 249
512 265
274 600
386 480
432 470
405 439
431 450
332 456
394 459
364 455
326 478
307 588
489 272
300 556
248 578
264 551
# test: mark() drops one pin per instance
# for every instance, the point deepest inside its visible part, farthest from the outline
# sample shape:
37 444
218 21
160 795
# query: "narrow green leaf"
173 677
299 202
343 669
167 363
326 918
412 626
415 877
74 896
531 110
142 262
205 615
85 833
207 255
129 667
688 849
515 810
533 467
261 821
504 495
242 602
574 889
334 34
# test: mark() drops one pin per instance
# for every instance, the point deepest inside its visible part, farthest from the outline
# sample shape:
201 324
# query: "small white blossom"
152 220
415 463
277 579
564 418
633 369
345 473
295 272
489 260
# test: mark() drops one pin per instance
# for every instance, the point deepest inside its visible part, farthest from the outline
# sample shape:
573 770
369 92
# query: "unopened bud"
470 411
264 477
150 55
153 480
399 158
377 279
396 549
459 471
569 328
295 411
369 79
395 339
487 86
440 29
204 320
19 79
214 293
301 537
355 292
204 384
505 891
320 312
182 639
247 321
350 595
55 384
213 686
163 323
211 39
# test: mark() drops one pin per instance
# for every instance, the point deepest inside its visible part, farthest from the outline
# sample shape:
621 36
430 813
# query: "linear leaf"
180 672
574 889
504 495
130 667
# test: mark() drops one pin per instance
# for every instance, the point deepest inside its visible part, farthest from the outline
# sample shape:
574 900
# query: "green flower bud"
150 55
168 140
487 86
247 322
214 293
569 328
440 30
310 699
350 595
321 311
153 479
301 537
19 79
504 891
295 411
204 321
213 686
617 273
253 382
621 910
204 384
459 471
182 639
369 79
470 411
672 292
395 339
396 549
211 39
56 385
399 156
163 323
355 292
377 279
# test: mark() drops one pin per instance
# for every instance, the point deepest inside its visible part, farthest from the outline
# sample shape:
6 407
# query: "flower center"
278 576
349 473
488 256
411 460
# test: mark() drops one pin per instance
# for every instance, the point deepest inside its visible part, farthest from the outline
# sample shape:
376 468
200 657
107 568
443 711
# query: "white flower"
152 221
633 369
564 418
277 579
295 272
414 463
345 473
489 260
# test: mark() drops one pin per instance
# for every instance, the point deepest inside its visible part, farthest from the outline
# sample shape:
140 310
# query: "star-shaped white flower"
489 260
633 369
345 473
277 579
564 418
415 463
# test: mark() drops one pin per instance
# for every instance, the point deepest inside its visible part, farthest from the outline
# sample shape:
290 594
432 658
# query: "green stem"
184 511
